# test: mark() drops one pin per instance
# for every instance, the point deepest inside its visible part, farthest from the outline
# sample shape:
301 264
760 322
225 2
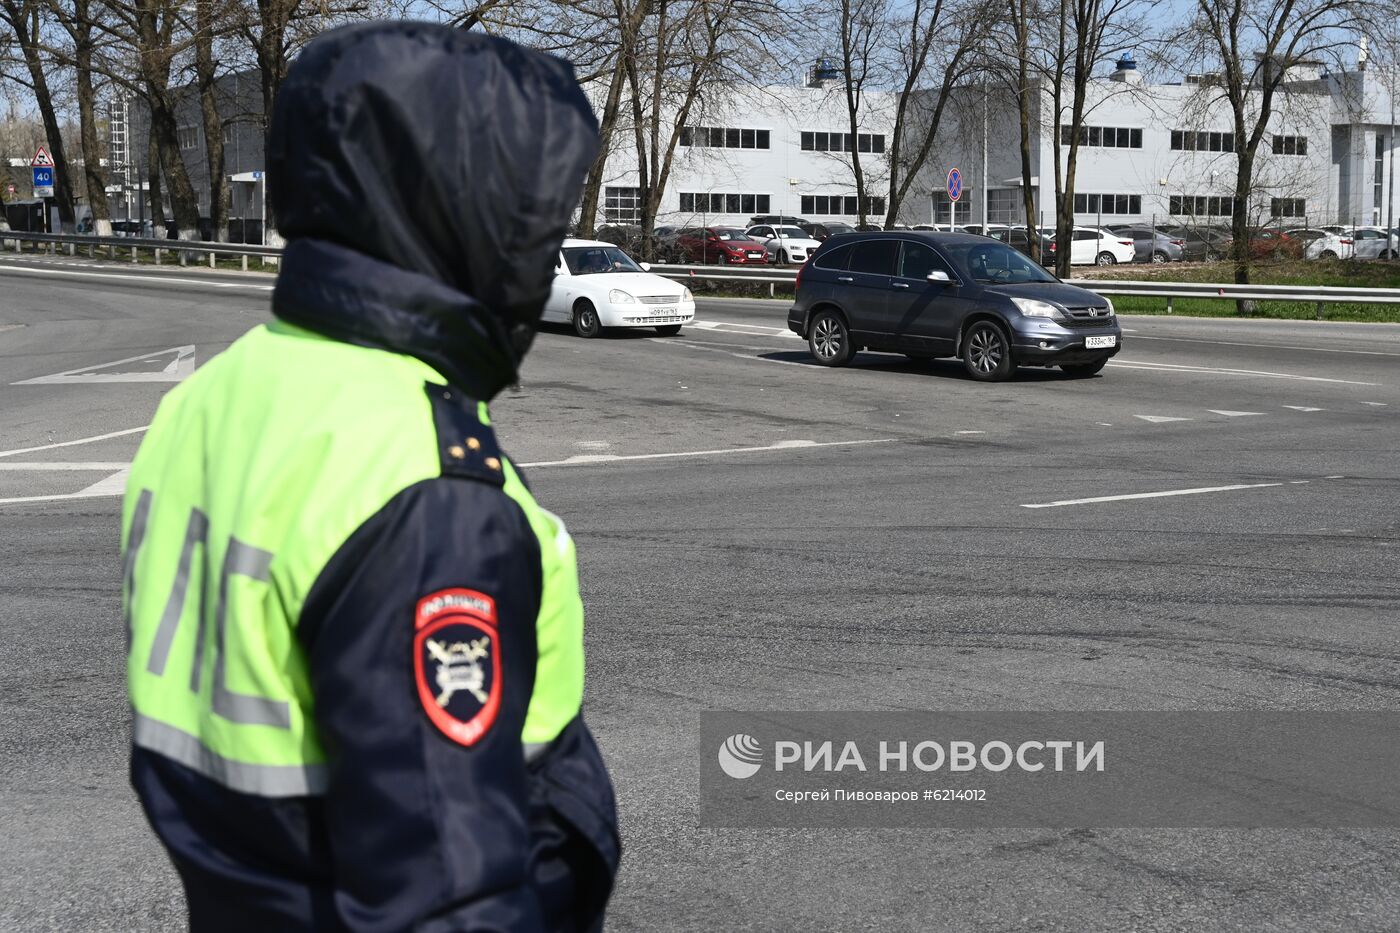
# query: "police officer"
356 660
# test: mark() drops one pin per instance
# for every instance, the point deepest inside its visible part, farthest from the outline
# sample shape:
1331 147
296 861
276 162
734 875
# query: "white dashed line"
74 443
1146 495
1232 414
1160 419
589 459
1207 370
1303 408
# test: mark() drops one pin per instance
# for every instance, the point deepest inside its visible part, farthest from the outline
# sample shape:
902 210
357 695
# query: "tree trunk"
155 55
213 124
1239 226
1023 108
87 122
153 160
24 22
593 184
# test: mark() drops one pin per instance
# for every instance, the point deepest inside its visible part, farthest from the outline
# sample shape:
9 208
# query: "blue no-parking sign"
954 184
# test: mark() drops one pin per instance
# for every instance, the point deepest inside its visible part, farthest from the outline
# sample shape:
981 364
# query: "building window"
829 205
1288 207
1004 205
188 137
1104 137
1108 204
622 205
1290 145
723 137
841 142
1194 205
711 202
1201 141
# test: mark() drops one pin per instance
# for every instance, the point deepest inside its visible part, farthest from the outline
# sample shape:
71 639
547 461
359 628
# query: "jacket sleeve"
420 701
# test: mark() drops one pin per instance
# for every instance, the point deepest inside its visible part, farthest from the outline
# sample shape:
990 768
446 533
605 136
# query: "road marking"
62 467
691 345
113 485
126 277
1232 414
1180 368
590 459
1376 404
1267 346
751 330
181 365
1159 419
971 432
81 440
1303 408
1146 495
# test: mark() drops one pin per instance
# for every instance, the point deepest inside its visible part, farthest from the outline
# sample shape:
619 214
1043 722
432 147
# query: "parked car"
771 219
785 244
1273 243
719 244
597 285
1152 244
945 228
1094 247
823 230
983 229
1019 238
1336 242
948 294
1200 243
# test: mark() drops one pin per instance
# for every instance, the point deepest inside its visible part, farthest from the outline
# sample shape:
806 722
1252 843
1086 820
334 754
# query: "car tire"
1159 257
668 330
986 353
829 339
586 323
1328 254
1085 370
1106 259
783 258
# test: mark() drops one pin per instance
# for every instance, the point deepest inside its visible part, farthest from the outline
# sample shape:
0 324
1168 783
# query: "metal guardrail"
185 250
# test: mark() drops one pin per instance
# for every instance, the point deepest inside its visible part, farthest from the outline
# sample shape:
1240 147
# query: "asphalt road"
849 539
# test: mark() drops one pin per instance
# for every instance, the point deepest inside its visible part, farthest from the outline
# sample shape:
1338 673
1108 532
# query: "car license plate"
1100 343
659 311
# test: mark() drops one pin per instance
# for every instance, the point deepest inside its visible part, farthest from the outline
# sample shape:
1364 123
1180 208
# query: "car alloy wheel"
829 340
1106 259
986 353
586 323
1159 257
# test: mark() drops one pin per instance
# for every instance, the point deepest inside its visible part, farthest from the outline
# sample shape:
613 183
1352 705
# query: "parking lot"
1210 524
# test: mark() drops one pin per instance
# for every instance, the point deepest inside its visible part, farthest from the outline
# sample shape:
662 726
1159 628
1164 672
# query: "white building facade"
1161 153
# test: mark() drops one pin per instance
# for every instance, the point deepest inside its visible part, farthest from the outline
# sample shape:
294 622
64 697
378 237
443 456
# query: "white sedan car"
597 285
1094 247
784 244
1352 243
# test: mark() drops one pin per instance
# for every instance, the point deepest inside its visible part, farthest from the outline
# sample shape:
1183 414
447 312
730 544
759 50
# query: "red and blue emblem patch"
457 662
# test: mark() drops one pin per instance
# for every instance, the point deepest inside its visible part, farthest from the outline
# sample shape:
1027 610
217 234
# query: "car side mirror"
646 267
939 277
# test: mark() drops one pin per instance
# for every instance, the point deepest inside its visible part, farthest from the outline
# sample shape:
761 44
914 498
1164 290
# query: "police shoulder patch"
457 662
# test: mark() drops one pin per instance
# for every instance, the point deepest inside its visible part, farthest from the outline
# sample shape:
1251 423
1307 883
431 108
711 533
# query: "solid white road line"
1264 346
1232 414
1146 495
1184 369
81 440
158 279
590 459
62 467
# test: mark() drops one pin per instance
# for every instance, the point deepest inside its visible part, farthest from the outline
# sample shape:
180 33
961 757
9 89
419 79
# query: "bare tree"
24 22
1263 45
76 17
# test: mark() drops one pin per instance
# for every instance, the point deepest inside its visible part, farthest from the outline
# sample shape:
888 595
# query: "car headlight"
1032 308
686 295
618 297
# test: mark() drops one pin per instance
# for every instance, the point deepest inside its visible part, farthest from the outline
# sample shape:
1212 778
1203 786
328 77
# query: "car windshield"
591 260
994 263
792 233
733 236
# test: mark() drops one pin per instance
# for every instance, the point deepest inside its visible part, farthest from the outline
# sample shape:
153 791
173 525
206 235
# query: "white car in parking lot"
784 244
1095 247
1352 243
597 285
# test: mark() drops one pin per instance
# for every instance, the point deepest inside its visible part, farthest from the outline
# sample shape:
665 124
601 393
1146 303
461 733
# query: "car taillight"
1347 242
1125 242
1178 242
797 282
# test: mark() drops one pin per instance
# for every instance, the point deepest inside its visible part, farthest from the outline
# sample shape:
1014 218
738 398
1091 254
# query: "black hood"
424 177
